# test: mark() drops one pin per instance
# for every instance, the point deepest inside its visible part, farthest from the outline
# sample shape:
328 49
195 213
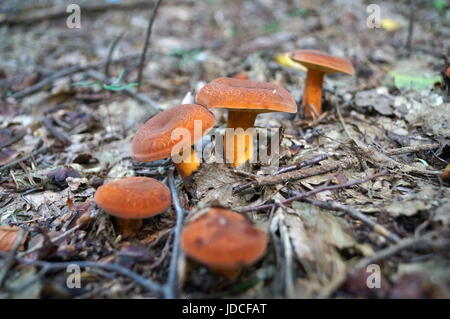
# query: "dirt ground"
378 203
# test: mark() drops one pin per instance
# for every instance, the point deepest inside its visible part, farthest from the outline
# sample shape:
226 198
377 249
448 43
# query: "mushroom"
132 199
446 174
224 241
318 63
155 140
244 99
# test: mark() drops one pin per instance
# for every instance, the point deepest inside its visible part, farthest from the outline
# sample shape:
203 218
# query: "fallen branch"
66 72
57 133
355 214
86 9
49 266
411 149
39 149
302 164
147 42
426 241
283 178
307 194
170 288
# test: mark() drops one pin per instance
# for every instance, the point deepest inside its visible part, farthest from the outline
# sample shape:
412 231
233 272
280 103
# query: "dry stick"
15 138
86 9
302 164
308 172
411 149
151 105
170 288
111 51
53 241
25 157
12 255
355 214
147 42
288 276
58 134
441 243
312 192
410 25
48 266
66 72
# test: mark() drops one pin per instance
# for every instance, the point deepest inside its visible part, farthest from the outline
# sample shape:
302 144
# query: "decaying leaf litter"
365 176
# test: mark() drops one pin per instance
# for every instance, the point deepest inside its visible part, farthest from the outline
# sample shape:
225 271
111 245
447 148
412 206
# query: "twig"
151 105
302 164
48 266
412 10
25 157
288 275
312 192
86 9
170 288
53 241
15 138
411 149
58 134
111 51
12 255
147 42
355 214
442 243
66 72
304 173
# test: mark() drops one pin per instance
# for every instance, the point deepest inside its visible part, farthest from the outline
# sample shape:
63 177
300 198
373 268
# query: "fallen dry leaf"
8 237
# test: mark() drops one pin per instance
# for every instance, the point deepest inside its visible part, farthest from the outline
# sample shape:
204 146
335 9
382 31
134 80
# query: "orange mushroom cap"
134 197
246 95
223 239
153 141
322 61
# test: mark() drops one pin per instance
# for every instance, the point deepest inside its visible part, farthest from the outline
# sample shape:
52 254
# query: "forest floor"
376 193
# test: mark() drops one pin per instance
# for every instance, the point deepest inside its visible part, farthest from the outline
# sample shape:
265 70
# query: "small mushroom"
132 199
224 241
244 99
318 63
154 141
446 174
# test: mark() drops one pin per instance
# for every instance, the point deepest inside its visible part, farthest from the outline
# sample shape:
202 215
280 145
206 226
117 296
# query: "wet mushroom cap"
322 61
133 197
223 239
153 141
246 95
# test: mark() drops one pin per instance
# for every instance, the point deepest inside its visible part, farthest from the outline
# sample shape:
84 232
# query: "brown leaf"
8 236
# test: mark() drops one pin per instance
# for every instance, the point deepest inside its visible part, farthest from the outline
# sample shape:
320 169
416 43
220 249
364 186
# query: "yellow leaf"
285 60
390 25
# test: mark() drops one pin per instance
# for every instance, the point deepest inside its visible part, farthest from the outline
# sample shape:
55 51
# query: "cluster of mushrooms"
223 240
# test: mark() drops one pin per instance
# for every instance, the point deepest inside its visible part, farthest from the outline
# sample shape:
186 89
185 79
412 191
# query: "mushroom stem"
189 163
312 98
239 144
127 227
228 273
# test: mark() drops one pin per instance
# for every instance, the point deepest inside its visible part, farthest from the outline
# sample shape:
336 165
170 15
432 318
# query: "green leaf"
414 82
272 26
424 162
440 5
